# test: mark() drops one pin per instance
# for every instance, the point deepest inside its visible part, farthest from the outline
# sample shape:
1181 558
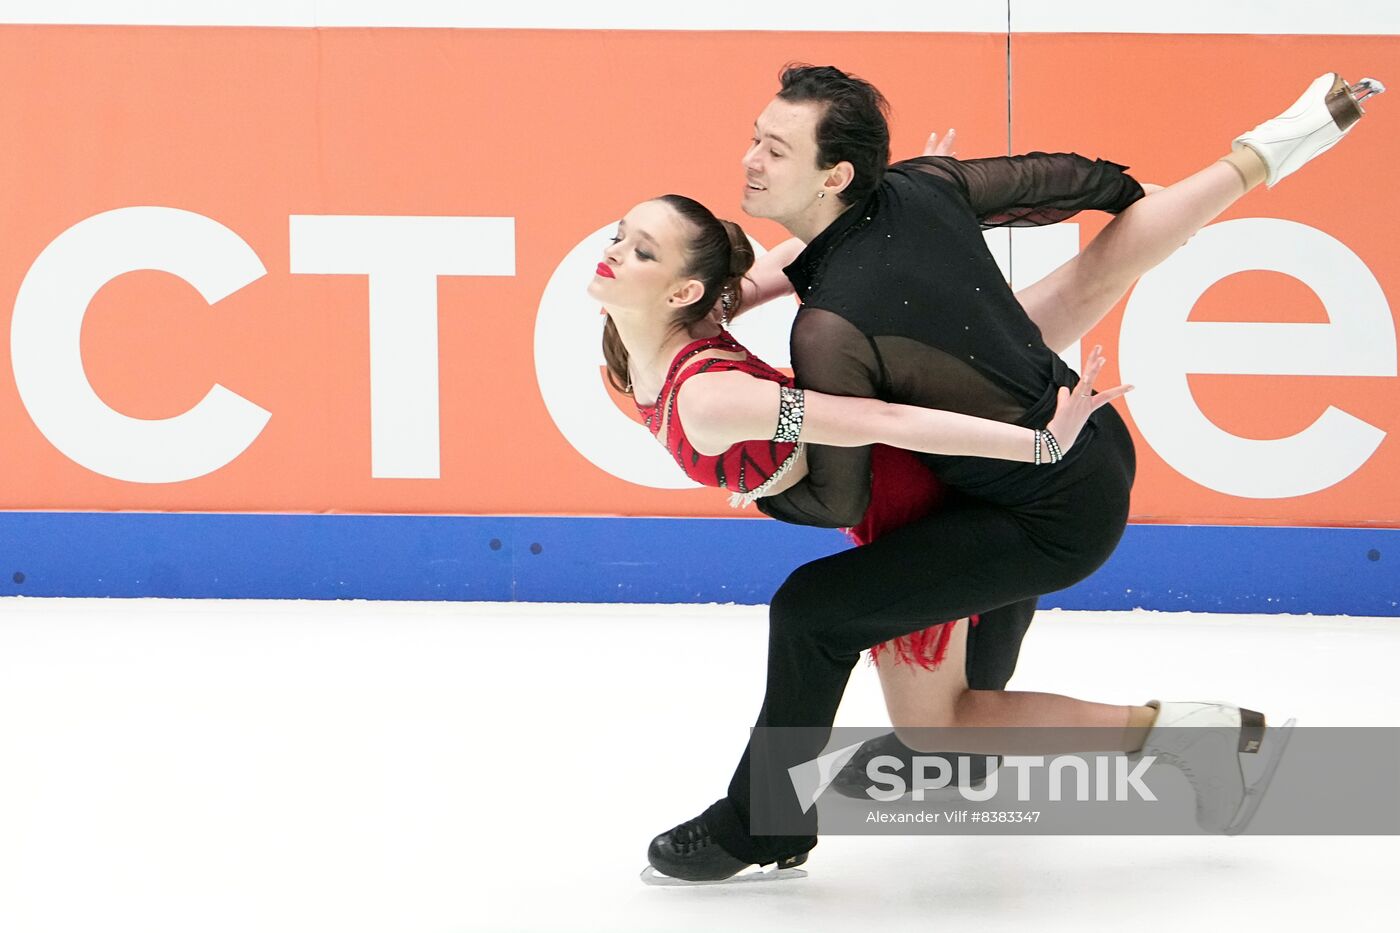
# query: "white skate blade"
1254 793
653 877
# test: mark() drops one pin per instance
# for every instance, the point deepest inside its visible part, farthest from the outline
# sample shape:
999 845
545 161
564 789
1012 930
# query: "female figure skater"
730 420
825 630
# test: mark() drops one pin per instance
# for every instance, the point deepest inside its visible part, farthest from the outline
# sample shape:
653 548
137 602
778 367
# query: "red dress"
902 489
746 468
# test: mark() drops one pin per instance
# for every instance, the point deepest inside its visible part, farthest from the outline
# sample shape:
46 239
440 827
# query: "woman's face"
643 267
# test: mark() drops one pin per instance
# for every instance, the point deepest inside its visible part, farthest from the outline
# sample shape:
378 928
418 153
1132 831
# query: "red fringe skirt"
903 490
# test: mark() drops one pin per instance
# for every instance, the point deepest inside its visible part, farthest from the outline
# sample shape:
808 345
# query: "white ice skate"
1208 742
1316 122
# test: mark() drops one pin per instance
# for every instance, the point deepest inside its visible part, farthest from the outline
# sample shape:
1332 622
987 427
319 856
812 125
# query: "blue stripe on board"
1352 571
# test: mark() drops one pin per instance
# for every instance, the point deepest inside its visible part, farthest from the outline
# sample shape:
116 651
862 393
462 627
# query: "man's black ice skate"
689 854
854 779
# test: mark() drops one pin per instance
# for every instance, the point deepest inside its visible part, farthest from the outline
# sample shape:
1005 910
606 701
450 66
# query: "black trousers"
969 556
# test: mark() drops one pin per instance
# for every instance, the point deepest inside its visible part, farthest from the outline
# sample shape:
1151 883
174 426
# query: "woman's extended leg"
1072 299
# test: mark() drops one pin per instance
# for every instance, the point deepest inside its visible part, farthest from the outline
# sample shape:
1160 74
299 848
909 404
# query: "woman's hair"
718 254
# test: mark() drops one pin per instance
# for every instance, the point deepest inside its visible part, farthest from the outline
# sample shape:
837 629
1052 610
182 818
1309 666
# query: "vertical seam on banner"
1008 76
1010 240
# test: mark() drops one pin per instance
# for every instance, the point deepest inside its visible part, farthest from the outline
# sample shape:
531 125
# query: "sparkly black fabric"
902 301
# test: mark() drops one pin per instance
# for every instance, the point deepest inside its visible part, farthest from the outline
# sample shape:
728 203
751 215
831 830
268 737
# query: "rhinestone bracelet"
791 409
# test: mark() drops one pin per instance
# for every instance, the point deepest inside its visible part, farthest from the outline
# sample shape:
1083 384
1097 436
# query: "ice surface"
289 767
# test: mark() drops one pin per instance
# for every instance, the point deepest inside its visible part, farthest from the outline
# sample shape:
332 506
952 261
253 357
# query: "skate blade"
1254 793
653 877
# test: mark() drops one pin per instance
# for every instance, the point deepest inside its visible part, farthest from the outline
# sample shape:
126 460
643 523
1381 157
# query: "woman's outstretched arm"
722 409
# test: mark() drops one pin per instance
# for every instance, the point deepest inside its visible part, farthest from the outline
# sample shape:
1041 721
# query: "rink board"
1351 571
303 283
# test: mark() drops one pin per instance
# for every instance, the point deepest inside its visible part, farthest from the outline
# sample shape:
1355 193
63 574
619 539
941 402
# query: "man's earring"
821 194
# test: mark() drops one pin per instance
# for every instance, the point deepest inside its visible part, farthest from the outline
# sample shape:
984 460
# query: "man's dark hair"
854 125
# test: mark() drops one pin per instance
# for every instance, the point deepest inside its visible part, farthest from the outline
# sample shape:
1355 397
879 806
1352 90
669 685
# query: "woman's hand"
1074 407
935 147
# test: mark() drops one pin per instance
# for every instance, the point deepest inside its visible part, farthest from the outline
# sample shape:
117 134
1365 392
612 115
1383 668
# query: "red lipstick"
605 270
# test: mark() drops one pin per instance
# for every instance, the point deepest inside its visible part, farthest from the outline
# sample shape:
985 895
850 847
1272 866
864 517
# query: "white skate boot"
1328 109
1208 742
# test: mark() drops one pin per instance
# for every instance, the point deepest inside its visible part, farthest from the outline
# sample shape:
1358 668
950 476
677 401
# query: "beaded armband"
792 407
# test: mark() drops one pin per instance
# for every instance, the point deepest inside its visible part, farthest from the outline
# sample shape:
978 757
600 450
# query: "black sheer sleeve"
1034 189
832 356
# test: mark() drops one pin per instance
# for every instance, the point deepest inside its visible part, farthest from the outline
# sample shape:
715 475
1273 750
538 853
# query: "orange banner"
1168 106
332 270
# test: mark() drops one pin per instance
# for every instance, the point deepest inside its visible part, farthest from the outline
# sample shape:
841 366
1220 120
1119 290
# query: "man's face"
780 167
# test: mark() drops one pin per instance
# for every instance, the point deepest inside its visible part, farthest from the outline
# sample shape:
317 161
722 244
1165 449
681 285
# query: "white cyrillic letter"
1034 253
47 359
1158 348
403 257
569 357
